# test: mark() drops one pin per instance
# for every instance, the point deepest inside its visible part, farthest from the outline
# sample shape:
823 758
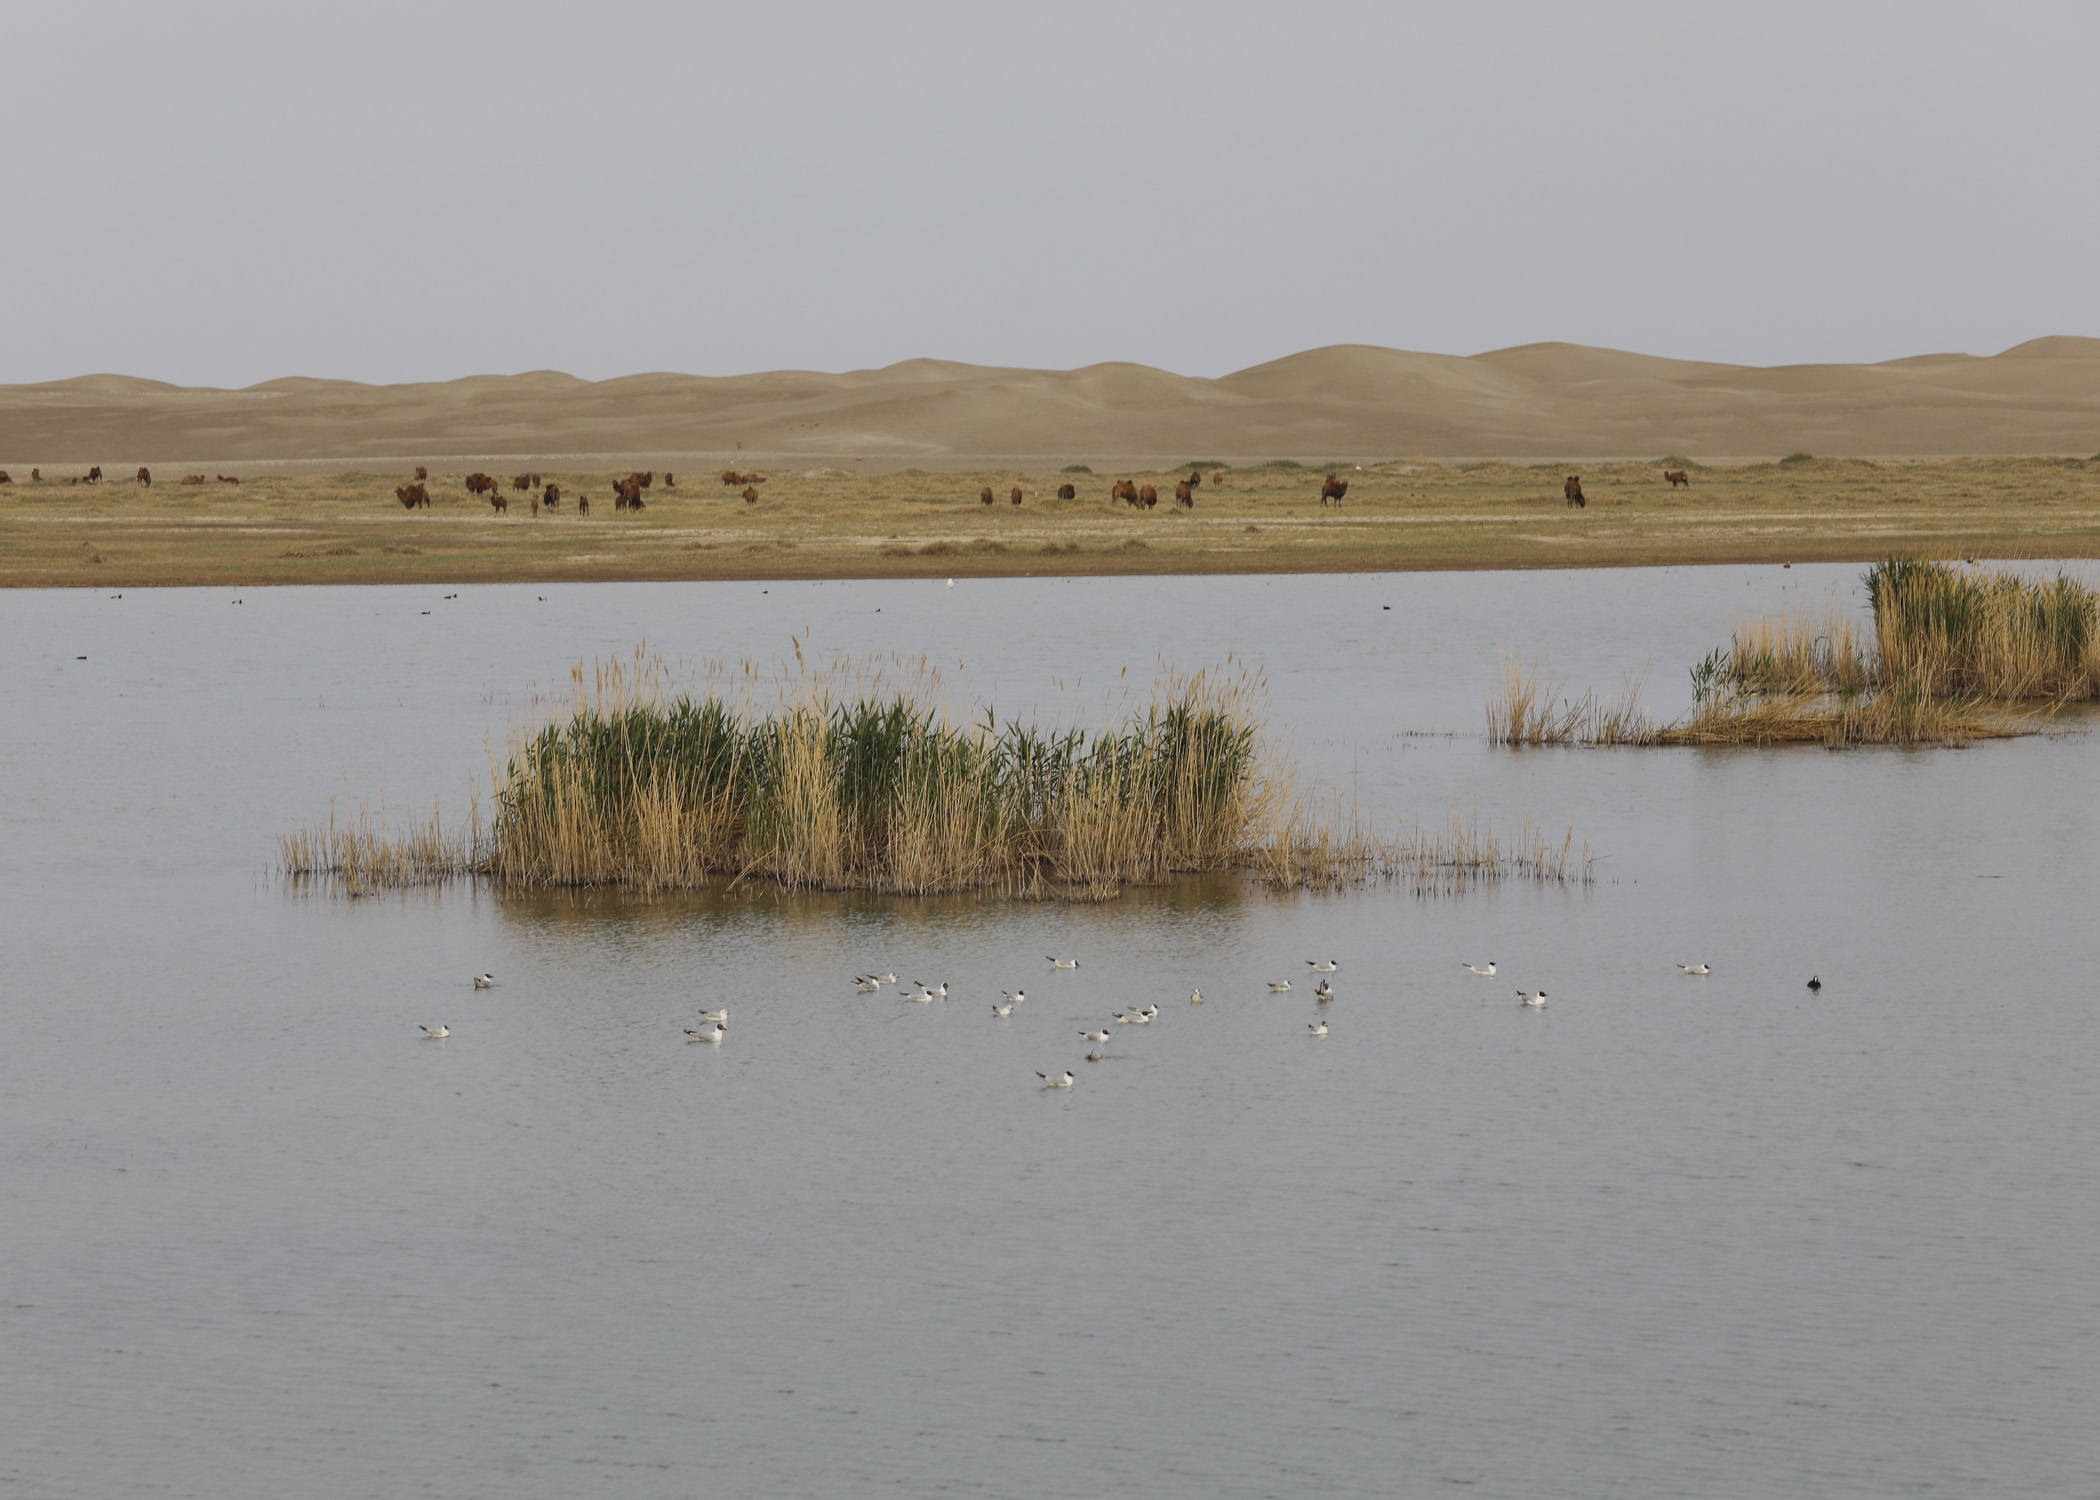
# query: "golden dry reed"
363 855
1957 654
856 777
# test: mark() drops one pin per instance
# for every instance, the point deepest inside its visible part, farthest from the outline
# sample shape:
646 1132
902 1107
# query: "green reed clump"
877 792
1962 631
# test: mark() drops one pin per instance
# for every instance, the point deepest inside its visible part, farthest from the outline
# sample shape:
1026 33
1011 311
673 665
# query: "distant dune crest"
1348 400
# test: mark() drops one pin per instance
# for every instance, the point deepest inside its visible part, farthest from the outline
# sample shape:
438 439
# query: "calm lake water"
1670 1236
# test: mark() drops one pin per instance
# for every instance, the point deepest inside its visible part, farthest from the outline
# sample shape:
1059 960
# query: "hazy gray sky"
213 192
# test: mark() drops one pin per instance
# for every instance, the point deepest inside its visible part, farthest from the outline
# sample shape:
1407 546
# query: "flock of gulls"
715 1029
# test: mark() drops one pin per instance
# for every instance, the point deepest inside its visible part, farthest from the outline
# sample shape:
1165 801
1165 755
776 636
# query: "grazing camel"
229 479
1333 489
502 505
552 496
751 495
1195 479
1185 494
1124 490
191 479
1677 477
669 482
421 472
1067 492
145 475
36 476
1148 496
627 494
1572 491
479 483
413 495
1016 495
984 496
583 503
521 482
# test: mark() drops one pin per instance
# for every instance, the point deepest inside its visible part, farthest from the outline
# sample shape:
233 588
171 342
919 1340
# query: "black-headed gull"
1323 965
1061 963
1279 986
1317 1028
437 1033
1096 1036
1695 968
1484 971
1058 1080
713 1034
1003 1011
715 1015
1536 1002
484 981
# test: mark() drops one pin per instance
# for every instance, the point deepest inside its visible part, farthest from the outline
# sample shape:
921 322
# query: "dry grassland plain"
829 523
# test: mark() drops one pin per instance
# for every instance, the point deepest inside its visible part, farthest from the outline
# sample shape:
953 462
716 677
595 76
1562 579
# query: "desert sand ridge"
1352 401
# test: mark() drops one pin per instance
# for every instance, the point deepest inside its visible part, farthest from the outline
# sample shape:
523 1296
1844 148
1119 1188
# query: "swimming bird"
1135 1018
1317 1028
438 1032
1096 1036
1148 1011
1487 972
483 981
938 992
1323 965
1324 992
920 996
713 1034
1536 1002
1003 1011
1017 997
889 978
1196 997
1695 968
715 1015
1059 1081
866 984
1279 986
1062 963
1814 983
951 583
1094 1056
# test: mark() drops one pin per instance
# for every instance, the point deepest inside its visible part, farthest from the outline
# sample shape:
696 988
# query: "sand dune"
1348 401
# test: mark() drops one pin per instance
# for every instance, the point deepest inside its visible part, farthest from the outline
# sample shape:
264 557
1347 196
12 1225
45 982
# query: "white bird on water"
1017 997
483 981
1057 1081
1279 986
1062 963
715 1015
1096 1036
437 1033
1536 1002
1003 1011
1324 992
1486 971
867 984
1135 1018
1695 968
713 1034
1196 997
1323 965
1317 1028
